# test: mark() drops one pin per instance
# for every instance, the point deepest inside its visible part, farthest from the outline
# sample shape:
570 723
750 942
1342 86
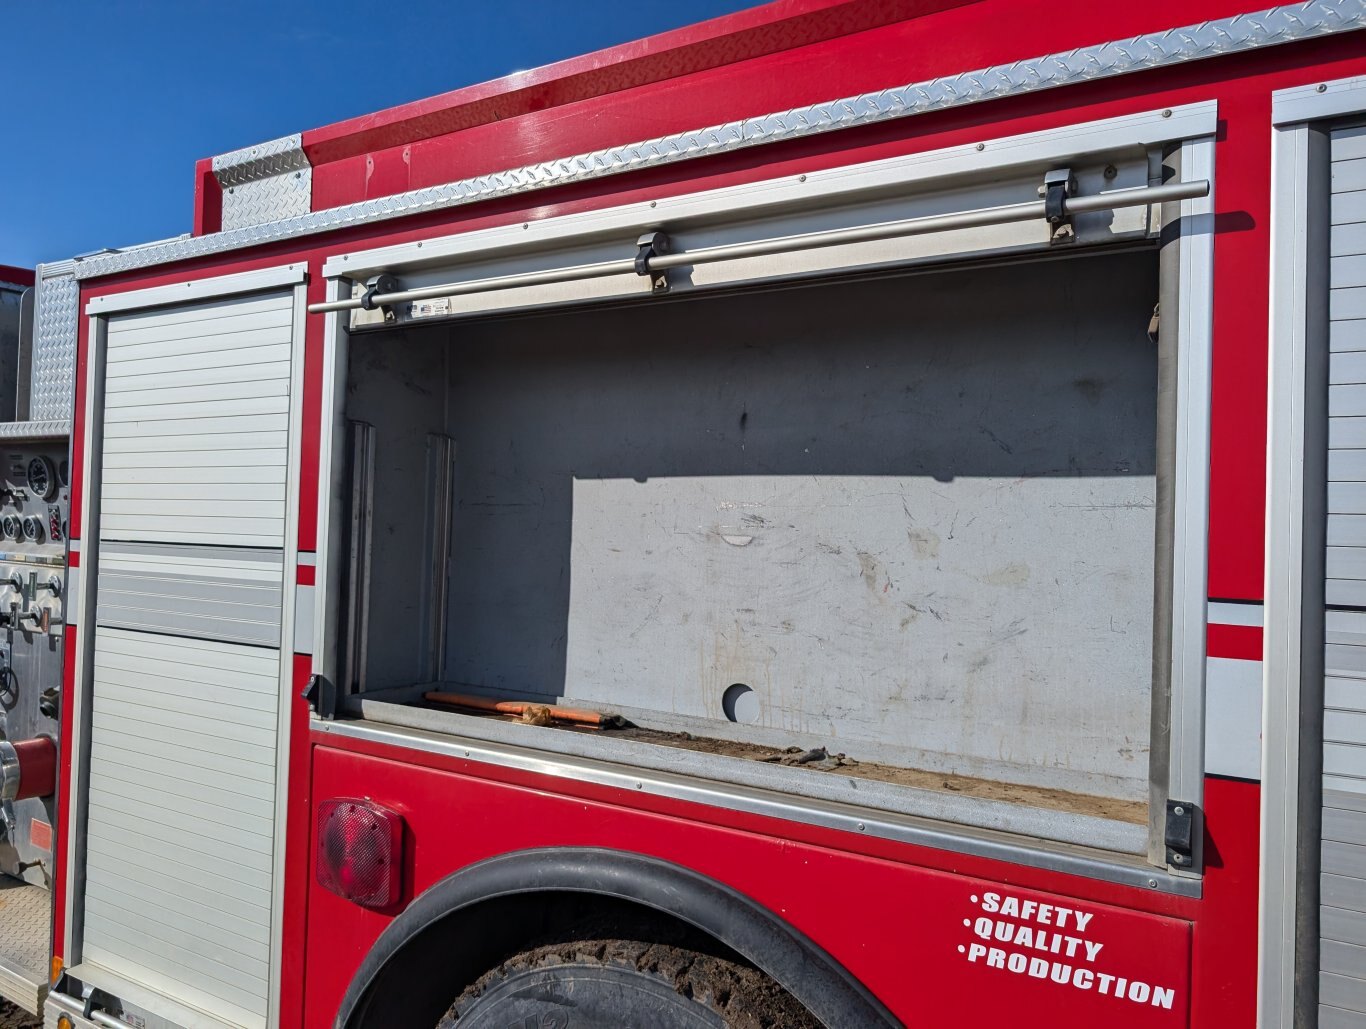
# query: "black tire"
607 978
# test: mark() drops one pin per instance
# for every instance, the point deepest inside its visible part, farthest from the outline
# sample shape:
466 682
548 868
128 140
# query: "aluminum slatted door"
186 681
1342 916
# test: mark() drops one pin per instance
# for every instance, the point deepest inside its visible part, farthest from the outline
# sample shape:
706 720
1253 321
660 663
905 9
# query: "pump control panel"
35 495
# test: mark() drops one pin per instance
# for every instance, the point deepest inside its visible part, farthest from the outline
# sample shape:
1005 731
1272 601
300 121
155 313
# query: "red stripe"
1238 641
306 575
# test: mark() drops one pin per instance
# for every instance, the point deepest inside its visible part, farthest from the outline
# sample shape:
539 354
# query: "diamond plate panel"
56 307
1245 32
269 182
26 942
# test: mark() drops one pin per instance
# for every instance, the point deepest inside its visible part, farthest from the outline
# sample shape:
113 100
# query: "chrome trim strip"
1270 27
830 815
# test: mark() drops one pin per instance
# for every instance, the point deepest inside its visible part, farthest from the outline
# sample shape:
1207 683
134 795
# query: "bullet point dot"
967 921
973 898
962 949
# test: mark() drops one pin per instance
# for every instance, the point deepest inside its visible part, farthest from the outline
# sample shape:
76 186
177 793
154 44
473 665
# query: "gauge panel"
42 478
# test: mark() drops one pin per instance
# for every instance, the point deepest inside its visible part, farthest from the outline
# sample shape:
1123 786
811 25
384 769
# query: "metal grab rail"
660 262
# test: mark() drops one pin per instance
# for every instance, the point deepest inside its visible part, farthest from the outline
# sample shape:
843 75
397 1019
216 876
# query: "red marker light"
360 852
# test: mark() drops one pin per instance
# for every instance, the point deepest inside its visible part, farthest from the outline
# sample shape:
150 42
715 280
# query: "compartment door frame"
291 278
1190 128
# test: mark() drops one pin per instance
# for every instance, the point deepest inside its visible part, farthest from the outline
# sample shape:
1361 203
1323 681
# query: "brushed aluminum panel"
191 591
1344 926
1273 26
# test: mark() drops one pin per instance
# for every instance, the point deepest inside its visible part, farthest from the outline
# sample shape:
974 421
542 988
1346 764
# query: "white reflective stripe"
1224 613
1233 717
303 618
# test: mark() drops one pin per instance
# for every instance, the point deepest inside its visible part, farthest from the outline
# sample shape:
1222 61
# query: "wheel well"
471 921
432 968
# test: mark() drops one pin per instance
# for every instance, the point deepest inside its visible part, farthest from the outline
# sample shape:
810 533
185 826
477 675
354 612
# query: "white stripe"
1223 613
1233 717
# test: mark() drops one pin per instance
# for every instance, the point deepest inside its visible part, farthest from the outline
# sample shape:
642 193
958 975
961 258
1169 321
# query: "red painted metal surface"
892 912
1239 641
912 924
955 39
16 276
743 36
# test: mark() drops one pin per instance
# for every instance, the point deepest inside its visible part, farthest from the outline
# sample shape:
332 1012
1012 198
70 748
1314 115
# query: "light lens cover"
360 852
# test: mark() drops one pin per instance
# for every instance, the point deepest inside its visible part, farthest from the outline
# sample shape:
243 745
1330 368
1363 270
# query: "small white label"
430 308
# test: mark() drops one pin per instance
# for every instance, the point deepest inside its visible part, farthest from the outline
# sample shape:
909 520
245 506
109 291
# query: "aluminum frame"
1270 27
295 277
1193 125
1294 114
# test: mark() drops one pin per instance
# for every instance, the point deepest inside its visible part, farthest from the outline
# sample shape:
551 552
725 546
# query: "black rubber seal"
804 969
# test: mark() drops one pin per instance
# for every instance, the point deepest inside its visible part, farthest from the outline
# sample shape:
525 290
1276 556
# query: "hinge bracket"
648 246
1058 185
321 695
378 285
1181 827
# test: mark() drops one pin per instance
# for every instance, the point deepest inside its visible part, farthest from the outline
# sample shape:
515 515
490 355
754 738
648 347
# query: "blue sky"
110 102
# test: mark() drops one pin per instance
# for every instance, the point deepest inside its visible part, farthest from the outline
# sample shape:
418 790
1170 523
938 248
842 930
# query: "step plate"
25 942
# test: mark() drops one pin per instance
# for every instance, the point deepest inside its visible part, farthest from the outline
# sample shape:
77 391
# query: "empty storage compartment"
908 519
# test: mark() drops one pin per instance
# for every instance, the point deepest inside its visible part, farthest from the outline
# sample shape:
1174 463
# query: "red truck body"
935 929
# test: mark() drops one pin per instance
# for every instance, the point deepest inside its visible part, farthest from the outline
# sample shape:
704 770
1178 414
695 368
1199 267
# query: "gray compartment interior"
912 517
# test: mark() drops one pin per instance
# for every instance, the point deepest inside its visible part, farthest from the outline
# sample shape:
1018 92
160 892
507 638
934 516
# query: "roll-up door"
186 681
1342 918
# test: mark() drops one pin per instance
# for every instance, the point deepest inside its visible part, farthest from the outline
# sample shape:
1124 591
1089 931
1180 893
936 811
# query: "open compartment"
908 520
881 518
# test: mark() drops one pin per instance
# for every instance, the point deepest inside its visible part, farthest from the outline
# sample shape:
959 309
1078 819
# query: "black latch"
1180 834
1058 185
649 246
321 695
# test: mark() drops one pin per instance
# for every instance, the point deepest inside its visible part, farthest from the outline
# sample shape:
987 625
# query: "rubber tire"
594 979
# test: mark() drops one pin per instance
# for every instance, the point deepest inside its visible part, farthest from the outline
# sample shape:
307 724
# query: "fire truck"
852 513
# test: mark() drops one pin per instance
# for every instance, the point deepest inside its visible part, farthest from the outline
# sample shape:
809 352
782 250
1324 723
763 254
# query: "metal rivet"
860 827
801 178
1152 883
1321 88
640 785
232 189
1178 810
1111 171
526 225
981 146
419 244
654 203
1167 113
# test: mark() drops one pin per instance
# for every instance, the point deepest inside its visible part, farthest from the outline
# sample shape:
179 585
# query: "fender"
802 967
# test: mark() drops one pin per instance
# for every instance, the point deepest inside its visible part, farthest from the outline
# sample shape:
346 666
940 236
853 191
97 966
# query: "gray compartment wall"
914 515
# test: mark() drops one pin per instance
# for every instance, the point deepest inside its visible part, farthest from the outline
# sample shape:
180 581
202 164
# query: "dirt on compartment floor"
827 761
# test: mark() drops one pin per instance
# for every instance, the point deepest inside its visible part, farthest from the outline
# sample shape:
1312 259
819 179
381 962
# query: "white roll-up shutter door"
186 684
1342 919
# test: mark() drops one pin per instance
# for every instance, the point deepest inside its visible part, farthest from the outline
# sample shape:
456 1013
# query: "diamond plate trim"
268 182
1271 27
53 375
35 430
